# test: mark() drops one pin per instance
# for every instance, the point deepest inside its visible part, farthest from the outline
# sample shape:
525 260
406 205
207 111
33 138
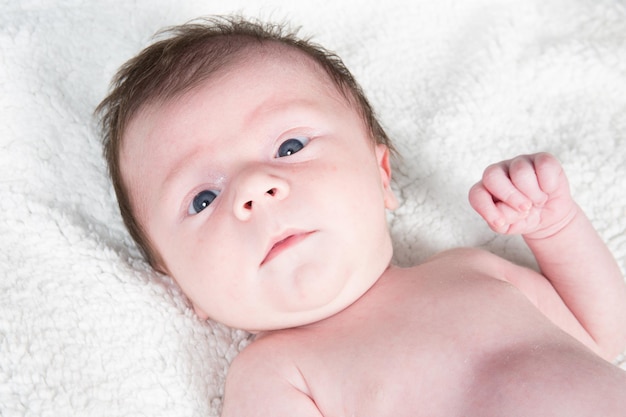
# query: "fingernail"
499 223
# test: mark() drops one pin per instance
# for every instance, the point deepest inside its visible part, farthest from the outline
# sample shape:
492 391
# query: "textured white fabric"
87 329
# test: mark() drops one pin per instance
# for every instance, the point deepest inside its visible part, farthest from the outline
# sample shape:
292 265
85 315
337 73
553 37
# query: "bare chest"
415 346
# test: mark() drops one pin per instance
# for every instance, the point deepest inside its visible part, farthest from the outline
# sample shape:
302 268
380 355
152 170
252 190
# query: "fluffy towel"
87 329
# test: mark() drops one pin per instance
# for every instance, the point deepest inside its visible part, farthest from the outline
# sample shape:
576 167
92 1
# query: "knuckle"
544 159
492 174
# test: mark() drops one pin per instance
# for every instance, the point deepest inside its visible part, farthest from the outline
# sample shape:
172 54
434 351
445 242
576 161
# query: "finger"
524 177
509 219
481 200
496 181
549 173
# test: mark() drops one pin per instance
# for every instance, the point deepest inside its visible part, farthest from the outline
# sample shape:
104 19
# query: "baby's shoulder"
462 253
467 259
472 267
264 366
463 265
269 350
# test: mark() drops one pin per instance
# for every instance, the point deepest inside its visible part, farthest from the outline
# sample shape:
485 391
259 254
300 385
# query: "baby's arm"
529 195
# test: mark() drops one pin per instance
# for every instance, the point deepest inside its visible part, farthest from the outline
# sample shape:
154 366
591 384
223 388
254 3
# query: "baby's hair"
186 56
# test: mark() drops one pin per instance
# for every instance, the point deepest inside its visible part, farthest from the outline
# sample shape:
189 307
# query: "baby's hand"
526 195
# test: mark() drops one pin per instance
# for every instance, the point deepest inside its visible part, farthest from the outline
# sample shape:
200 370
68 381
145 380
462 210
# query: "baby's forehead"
285 56
248 65
243 64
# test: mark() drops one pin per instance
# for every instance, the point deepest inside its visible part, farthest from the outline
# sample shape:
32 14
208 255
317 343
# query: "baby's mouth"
283 243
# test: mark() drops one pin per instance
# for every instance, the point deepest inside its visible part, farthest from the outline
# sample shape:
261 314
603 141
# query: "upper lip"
280 238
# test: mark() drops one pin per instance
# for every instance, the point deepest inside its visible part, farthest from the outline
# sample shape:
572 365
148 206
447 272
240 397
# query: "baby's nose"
255 189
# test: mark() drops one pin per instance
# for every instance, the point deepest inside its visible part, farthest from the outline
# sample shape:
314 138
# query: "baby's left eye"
291 146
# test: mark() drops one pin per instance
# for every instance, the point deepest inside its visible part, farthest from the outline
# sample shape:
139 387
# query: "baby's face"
263 193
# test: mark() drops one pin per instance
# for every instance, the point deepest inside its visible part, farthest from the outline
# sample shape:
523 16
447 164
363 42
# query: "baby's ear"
384 165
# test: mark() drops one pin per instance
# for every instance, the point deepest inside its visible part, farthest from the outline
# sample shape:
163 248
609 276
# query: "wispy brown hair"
186 56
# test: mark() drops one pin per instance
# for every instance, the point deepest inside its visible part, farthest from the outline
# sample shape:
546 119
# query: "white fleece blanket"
87 329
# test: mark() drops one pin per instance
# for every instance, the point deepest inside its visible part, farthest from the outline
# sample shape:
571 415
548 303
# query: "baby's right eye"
202 201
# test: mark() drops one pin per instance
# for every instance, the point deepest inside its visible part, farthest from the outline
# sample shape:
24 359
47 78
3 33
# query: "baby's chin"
310 297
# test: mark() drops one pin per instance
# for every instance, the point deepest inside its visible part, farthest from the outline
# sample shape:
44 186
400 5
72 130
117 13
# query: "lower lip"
285 244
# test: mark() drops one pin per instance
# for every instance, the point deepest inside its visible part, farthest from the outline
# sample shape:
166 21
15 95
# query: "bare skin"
264 195
466 333
445 338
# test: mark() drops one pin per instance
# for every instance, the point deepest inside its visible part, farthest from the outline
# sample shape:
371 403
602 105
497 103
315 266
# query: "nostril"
272 192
